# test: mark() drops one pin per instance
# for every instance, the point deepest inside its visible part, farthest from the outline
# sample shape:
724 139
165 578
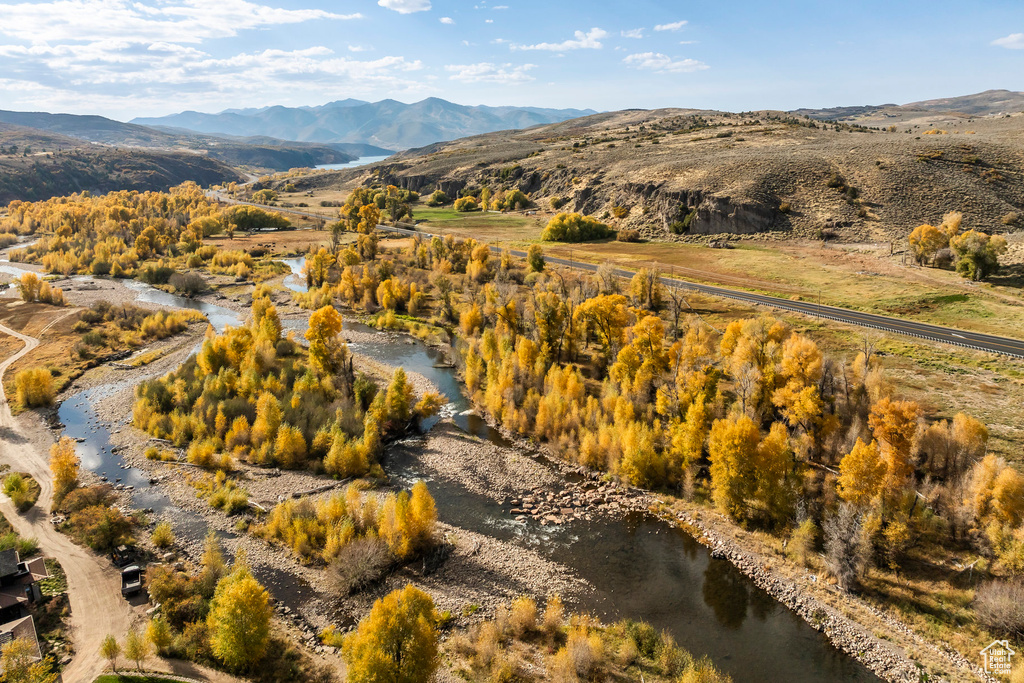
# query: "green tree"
396 642
159 635
239 619
535 258
574 227
136 648
977 254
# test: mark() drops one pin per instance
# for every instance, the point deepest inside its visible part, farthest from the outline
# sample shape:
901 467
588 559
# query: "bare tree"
843 551
1000 606
607 278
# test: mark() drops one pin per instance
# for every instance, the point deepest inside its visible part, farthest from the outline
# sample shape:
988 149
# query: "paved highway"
1005 346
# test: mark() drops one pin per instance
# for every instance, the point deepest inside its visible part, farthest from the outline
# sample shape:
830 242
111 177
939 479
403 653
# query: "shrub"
34 387
620 211
26 547
163 535
20 490
784 207
554 615
644 636
523 616
574 227
359 564
189 284
558 202
438 198
466 204
100 527
1011 218
628 235
1000 606
801 542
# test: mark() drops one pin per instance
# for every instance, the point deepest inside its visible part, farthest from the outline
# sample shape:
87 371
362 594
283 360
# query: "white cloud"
674 26
633 33
655 61
359 48
687 42
485 72
488 21
175 21
589 40
1014 41
405 6
447 20
498 7
141 79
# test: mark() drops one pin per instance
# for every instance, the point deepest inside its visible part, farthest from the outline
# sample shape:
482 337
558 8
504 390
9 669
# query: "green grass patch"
57 582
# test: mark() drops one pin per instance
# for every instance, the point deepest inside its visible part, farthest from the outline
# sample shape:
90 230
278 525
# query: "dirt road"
94 586
94 590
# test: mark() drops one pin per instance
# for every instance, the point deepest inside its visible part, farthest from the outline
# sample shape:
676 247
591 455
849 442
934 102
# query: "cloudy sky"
126 58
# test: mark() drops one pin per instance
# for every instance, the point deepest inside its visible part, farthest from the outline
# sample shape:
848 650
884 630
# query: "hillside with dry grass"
675 173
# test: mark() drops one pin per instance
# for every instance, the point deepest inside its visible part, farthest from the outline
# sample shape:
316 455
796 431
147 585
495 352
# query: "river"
640 567
355 163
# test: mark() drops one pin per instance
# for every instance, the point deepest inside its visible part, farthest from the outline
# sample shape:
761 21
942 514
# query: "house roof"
9 562
37 568
24 627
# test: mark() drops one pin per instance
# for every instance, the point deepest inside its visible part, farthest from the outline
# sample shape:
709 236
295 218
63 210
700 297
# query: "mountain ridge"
388 123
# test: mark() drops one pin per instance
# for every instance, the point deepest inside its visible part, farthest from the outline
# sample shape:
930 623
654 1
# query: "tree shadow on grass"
1009 276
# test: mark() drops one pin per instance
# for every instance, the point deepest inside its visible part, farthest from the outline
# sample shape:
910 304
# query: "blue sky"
126 58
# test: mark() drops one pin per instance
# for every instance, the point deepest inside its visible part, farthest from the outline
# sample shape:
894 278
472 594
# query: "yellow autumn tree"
396 642
239 619
326 350
64 464
861 474
774 489
732 447
926 241
34 387
289 447
894 424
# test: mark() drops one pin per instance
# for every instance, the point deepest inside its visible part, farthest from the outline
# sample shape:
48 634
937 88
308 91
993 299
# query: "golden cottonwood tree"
861 473
396 642
64 464
325 348
239 619
732 448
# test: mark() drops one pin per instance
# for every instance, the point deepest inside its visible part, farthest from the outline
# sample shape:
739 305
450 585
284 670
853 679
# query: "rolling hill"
988 103
388 123
682 174
259 153
37 165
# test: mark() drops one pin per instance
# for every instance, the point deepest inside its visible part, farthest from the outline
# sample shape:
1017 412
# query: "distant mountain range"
988 103
388 123
258 153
